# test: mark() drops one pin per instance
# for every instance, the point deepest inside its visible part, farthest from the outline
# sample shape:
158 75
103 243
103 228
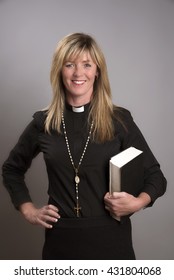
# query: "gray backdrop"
137 38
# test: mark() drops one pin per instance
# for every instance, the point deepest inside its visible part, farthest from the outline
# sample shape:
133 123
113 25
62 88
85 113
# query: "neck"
78 101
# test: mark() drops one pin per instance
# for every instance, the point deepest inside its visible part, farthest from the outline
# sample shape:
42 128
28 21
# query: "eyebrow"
88 60
84 61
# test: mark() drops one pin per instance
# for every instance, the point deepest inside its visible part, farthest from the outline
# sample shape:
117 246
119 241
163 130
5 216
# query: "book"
126 173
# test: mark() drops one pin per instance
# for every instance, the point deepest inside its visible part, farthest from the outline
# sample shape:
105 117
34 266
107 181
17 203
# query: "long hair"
101 108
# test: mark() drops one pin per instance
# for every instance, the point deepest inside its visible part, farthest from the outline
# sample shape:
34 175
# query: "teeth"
78 82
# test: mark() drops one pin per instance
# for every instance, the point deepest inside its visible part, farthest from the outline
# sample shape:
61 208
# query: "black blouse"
94 170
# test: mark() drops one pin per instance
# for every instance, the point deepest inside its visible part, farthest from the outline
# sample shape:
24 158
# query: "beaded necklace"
77 208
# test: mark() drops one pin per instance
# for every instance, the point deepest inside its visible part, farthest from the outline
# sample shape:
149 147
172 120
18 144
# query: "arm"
121 204
17 164
154 180
14 170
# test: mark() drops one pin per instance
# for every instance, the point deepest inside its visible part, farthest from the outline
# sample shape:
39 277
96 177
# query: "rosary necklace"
76 168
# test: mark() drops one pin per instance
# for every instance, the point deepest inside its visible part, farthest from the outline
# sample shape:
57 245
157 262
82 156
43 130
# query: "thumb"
117 195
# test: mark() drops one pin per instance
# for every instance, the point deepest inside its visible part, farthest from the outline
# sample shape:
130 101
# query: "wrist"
26 208
143 200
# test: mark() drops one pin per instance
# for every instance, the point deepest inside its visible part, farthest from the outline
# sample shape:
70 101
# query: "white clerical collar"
78 109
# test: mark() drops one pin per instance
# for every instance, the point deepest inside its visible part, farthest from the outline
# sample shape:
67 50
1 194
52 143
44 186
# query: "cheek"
92 77
65 77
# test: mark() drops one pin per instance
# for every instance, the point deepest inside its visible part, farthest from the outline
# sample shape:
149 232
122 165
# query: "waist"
85 222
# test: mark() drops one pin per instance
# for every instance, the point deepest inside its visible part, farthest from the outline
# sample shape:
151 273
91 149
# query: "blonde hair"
101 108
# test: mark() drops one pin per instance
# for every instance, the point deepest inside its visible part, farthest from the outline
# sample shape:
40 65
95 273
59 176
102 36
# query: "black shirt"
94 170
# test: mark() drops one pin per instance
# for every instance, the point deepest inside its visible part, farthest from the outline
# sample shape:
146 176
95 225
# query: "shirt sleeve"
18 162
154 180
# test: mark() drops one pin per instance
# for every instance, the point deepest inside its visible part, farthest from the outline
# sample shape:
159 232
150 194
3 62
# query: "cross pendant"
77 209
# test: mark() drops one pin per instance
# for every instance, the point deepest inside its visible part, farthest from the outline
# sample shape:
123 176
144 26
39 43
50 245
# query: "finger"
46 221
52 213
107 195
52 207
107 198
114 195
44 224
107 202
118 195
48 218
51 210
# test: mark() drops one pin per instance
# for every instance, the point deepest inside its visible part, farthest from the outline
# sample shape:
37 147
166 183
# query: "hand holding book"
126 180
121 204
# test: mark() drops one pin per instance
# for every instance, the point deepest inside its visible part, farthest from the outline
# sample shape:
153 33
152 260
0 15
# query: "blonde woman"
78 133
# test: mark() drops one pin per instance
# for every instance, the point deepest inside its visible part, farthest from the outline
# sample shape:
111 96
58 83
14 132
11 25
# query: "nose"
77 71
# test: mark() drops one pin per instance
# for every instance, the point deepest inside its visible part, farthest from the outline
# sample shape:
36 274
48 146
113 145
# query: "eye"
87 65
69 65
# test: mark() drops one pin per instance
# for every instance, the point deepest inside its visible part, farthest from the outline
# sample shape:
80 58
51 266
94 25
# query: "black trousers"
89 239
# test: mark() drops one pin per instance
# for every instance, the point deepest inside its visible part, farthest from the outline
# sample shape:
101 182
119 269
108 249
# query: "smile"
78 82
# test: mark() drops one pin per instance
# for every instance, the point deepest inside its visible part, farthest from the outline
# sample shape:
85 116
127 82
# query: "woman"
78 134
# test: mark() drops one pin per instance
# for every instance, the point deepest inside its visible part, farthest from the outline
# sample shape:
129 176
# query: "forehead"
80 57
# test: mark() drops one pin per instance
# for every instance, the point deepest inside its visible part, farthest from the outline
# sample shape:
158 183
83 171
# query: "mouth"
78 82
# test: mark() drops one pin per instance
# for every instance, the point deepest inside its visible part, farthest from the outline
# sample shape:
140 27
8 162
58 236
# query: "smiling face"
78 75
